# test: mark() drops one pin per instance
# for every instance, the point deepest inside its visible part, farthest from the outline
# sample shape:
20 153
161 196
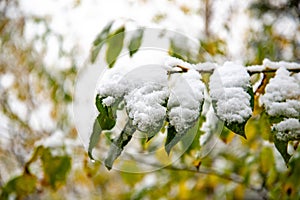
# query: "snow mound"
185 101
282 95
228 90
288 129
144 106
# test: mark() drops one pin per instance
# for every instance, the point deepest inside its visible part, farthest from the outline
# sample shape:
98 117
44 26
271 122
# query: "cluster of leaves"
106 120
32 87
115 40
55 170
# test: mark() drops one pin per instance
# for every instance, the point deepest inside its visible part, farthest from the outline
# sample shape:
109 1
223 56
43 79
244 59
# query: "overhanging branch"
250 70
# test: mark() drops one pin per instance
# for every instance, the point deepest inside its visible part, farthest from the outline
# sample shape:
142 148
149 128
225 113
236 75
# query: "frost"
276 65
144 90
282 95
228 86
282 99
113 87
288 129
144 106
206 66
186 98
267 64
172 62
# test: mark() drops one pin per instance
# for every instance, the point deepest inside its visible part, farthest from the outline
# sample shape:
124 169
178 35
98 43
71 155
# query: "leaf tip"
168 149
108 164
244 136
90 155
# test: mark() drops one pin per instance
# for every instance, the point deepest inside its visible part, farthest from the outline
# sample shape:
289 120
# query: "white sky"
80 24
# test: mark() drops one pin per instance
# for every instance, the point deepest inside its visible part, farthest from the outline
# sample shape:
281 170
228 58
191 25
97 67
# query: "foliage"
55 171
232 99
236 169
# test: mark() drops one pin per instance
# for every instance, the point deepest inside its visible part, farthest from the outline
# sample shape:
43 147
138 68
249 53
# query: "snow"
228 86
288 129
6 80
145 89
172 62
267 64
206 66
276 65
112 88
282 94
144 106
255 68
281 99
186 98
55 140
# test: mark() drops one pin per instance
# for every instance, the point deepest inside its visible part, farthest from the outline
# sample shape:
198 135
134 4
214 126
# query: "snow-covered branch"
267 67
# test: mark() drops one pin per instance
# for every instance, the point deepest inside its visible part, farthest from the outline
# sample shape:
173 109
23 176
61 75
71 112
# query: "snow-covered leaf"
107 116
282 103
145 107
114 46
135 42
232 97
99 41
185 100
287 129
118 145
105 120
282 95
184 105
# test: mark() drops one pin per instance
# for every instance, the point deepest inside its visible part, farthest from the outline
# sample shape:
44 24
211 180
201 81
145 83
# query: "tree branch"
230 177
249 70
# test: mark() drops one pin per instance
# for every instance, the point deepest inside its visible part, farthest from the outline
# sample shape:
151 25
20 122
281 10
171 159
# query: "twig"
231 177
271 71
250 71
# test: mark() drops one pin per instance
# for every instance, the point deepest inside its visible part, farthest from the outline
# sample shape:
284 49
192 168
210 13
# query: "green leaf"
281 146
95 136
195 136
55 168
237 128
118 145
188 137
99 41
135 42
115 46
21 186
107 116
251 93
106 120
173 137
171 141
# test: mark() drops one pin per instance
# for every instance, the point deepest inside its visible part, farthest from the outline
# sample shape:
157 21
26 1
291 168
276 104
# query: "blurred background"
44 44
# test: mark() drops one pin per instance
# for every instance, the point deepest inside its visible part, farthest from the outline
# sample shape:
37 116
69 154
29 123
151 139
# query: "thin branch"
250 71
270 71
230 177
